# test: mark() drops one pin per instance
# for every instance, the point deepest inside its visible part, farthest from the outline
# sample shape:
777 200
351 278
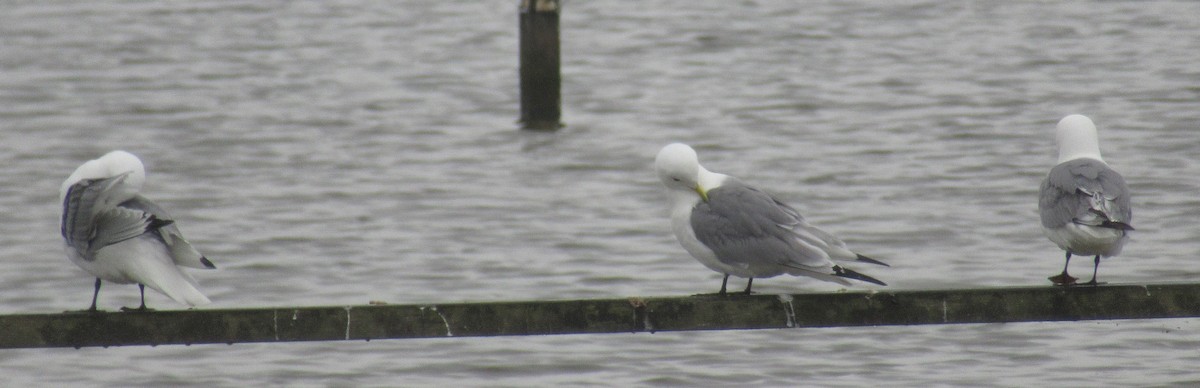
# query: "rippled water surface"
339 152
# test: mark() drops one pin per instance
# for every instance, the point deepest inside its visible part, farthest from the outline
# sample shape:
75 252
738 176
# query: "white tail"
147 261
178 286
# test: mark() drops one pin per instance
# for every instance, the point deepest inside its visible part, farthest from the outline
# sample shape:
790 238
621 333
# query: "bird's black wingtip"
872 261
207 264
157 223
851 274
1117 225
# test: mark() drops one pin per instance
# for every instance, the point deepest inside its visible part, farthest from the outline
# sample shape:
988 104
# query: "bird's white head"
679 169
1077 138
110 165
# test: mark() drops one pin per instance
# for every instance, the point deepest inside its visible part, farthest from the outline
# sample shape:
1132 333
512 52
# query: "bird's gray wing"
88 225
744 225
77 217
831 245
181 250
808 233
119 224
1084 191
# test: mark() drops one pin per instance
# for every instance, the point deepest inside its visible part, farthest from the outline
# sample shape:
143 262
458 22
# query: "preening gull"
116 234
738 230
1084 204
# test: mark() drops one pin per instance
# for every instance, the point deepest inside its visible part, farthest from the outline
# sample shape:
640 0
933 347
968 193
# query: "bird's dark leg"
1094 270
1064 279
723 281
748 284
95 295
142 288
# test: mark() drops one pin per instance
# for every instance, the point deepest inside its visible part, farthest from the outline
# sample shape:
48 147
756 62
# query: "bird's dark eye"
675 179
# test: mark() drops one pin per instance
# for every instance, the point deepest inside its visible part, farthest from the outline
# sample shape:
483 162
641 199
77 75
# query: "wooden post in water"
541 103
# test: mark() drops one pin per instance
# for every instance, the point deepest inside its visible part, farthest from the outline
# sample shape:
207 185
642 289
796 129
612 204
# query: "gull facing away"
736 229
1084 204
116 234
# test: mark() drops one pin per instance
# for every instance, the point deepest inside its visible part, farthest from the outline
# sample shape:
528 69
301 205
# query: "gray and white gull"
1084 204
735 229
116 234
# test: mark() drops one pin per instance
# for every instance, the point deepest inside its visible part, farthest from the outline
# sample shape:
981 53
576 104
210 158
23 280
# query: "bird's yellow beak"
703 193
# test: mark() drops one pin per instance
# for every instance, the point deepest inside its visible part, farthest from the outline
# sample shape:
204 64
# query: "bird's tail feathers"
1099 219
171 281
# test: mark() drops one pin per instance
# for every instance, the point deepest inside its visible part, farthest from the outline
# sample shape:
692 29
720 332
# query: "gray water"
326 153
